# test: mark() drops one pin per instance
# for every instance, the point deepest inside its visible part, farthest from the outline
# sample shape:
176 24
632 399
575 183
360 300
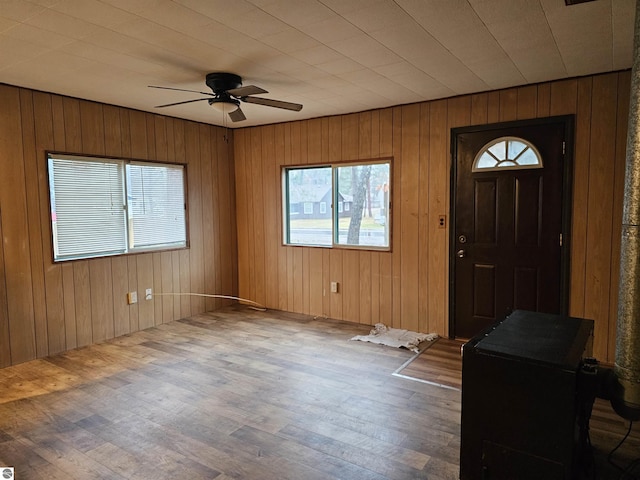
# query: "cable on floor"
626 473
250 303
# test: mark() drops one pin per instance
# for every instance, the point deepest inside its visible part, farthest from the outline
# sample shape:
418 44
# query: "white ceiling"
333 56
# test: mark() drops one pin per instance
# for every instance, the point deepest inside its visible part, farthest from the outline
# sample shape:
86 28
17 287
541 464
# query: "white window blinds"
87 201
92 216
156 205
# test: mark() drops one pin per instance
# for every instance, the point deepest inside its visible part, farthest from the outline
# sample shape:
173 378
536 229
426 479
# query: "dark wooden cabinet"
522 408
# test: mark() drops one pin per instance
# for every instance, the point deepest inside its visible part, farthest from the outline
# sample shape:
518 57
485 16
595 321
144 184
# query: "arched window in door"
507 153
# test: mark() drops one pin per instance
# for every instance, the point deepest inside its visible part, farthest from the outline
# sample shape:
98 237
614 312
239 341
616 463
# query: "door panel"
484 287
506 251
525 288
528 210
485 217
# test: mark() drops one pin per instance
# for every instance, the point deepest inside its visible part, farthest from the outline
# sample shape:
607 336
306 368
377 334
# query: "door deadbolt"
462 239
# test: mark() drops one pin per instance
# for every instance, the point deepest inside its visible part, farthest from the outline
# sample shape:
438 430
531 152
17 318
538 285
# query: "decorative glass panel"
515 149
529 157
507 153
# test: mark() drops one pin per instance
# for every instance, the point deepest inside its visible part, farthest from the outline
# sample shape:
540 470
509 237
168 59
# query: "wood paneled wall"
46 308
408 287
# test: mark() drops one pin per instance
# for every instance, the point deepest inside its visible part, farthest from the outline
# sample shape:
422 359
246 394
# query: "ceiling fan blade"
180 103
237 115
244 91
273 103
180 90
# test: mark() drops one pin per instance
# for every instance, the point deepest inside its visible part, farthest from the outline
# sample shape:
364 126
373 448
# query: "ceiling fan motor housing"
220 82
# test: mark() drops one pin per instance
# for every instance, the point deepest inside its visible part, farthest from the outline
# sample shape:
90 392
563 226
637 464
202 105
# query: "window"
360 195
103 206
507 153
308 208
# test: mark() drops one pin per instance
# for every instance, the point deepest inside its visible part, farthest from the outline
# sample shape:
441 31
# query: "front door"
507 251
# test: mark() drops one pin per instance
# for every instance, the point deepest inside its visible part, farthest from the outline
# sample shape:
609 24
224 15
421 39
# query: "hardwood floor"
231 394
237 394
440 364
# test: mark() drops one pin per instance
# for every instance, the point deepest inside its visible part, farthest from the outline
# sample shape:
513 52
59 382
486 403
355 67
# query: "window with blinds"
103 206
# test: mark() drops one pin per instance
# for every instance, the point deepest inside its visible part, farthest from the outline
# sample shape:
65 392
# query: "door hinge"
560 239
564 145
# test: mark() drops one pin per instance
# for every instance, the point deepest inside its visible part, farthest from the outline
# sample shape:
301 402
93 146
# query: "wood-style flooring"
239 394
441 363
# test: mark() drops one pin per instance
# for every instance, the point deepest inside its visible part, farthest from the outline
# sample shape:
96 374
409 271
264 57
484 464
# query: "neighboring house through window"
361 196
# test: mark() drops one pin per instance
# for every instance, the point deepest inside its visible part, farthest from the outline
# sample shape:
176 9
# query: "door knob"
461 253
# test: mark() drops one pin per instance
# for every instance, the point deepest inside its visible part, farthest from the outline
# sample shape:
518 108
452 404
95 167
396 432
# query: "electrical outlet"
132 297
334 287
442 221
148 294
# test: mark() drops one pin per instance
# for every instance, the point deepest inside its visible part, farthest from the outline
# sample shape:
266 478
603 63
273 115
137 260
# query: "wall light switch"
148 294
334 287
132 297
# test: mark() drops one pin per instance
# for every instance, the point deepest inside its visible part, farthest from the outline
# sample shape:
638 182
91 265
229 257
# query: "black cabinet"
521 404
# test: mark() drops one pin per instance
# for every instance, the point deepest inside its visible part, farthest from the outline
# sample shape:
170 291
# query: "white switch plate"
334 287
132 297
148 295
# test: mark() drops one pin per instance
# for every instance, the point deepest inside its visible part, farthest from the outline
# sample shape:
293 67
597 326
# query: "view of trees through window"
344 204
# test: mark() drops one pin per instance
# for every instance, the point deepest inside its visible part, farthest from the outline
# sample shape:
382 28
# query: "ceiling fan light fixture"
224 106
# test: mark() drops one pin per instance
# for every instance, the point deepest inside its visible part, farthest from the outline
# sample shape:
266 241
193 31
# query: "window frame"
333 205
124 164
305 210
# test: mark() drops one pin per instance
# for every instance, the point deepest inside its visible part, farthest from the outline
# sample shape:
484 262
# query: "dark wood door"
508 220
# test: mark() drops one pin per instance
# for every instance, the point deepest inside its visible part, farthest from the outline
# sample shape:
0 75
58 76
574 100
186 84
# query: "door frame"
567 202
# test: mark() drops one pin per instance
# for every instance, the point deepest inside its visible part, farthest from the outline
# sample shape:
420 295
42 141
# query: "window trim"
124 161
333 207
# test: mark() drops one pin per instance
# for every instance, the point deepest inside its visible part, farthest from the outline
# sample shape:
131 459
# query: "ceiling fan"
227 94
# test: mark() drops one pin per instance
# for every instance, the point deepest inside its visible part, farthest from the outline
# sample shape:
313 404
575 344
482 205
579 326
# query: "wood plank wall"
46 308
408 287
